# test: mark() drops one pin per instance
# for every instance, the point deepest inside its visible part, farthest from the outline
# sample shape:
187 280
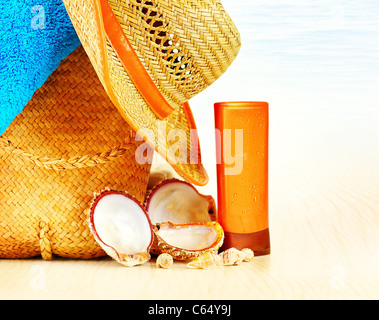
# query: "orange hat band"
130 61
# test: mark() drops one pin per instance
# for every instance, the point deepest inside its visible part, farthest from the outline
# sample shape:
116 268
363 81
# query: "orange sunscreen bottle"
242 174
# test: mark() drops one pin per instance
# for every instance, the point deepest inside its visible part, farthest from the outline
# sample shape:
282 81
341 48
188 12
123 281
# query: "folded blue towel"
35 36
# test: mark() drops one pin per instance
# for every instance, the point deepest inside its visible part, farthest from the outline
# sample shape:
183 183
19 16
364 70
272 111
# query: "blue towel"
35 36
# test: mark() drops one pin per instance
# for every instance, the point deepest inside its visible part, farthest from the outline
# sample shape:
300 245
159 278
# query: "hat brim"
174 137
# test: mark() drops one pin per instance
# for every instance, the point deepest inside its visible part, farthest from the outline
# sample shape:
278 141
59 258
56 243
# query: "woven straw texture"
184 46
69 142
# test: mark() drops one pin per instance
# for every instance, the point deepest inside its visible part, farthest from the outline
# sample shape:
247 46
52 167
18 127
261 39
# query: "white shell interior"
121 224
196 237
178 203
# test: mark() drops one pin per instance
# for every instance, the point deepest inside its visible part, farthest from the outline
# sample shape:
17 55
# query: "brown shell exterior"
160 246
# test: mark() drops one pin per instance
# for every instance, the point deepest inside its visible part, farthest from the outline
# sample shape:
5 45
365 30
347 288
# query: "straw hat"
152 56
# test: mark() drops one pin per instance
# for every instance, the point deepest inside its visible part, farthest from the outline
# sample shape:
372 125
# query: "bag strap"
57 164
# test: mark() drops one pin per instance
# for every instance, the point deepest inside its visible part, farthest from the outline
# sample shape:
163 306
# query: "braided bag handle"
77 162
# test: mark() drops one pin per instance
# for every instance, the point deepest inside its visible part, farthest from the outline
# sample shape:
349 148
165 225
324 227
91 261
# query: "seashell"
164 261
122 227
249 254
206 261
232 256
179 202
241 257
187 241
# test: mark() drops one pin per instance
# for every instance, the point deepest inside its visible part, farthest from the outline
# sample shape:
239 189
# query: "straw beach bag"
69 142
152 56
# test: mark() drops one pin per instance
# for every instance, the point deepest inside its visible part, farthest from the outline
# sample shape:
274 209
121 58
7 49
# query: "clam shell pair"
175 220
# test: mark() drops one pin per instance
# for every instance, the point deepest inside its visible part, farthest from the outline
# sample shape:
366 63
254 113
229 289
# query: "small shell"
206 261
232 256
121 227
249 254
179 202
164 261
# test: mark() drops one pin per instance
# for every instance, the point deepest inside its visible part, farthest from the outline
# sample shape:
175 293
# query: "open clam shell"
187 241
179 202
122 227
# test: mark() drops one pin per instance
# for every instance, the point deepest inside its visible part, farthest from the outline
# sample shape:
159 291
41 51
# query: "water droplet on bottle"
235 194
